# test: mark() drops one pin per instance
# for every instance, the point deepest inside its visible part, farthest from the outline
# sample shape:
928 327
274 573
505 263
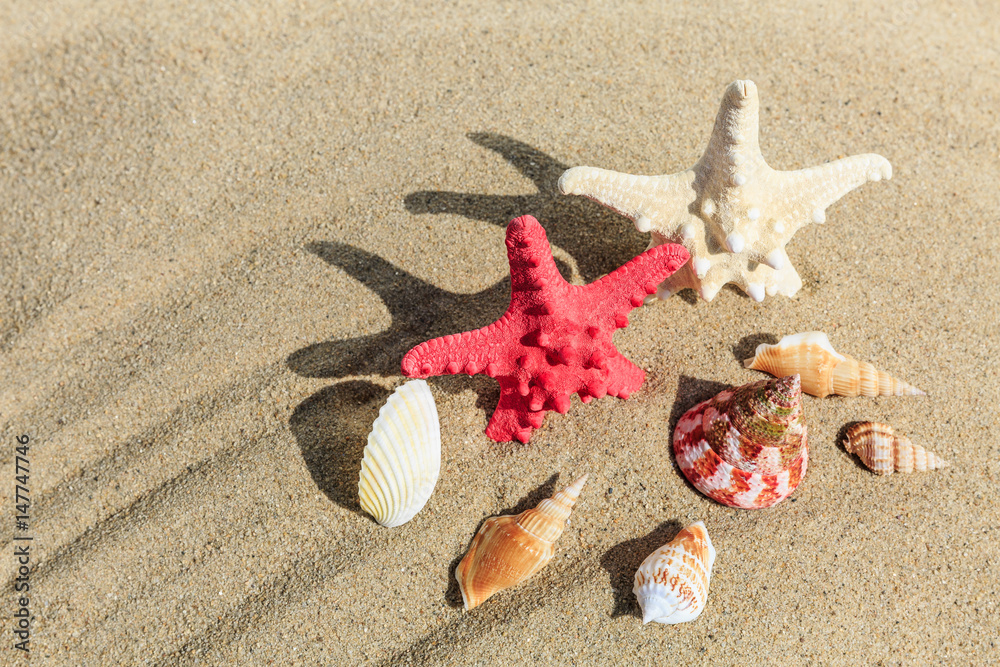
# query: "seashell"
745 447
879 448
403 457
509 549
823 370
672 583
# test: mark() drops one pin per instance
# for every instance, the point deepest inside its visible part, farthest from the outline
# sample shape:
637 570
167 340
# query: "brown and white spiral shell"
885 452
671 585
823 370
509 549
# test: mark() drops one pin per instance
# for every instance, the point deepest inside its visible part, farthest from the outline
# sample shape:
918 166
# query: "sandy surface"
222 228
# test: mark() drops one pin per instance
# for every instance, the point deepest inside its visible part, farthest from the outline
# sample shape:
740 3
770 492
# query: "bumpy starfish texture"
555 338
731 210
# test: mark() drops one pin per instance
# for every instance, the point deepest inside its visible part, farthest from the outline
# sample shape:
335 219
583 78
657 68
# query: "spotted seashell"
672 583
745 447
823 370
403 457
884 452
509 549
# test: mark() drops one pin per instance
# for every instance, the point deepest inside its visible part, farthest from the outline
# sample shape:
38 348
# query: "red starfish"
554 339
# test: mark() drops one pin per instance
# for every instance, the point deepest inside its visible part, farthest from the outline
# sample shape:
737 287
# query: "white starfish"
730 210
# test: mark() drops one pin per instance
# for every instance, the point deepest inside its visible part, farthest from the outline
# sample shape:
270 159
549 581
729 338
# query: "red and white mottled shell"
745 447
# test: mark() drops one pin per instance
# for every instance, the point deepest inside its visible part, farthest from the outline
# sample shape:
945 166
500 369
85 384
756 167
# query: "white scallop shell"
672 583
403 456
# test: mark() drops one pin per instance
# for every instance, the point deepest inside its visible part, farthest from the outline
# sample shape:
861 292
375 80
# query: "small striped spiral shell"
402 460
884 452
509 549
823 370
671 585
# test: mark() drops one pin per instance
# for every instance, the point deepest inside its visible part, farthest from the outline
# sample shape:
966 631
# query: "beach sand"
222 227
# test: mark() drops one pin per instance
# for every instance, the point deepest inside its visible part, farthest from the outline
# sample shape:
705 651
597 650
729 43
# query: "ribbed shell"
403 457
884 452
509 549
671 585
823 370
745 447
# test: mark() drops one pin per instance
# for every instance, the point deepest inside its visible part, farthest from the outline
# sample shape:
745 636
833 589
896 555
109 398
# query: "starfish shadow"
546 490
598 239
331 428
420 311
622 560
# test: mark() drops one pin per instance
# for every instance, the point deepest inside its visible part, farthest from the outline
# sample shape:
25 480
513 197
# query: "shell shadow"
598 239
840 445
467 629
331 428
688 296
747 345
453 595
622 560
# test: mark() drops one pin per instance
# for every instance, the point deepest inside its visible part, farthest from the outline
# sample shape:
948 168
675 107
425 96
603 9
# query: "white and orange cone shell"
671 585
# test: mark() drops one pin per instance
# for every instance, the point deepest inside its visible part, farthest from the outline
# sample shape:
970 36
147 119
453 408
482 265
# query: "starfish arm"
554 340
627 286
509 420
470 352
684 278
807 193
533 270
627 376
712 282
785 282
659 202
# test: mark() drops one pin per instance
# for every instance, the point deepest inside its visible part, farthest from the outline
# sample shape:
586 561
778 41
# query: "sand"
223 226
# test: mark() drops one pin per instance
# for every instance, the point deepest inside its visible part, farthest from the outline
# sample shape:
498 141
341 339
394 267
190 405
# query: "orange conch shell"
823 370
879 448
509 549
